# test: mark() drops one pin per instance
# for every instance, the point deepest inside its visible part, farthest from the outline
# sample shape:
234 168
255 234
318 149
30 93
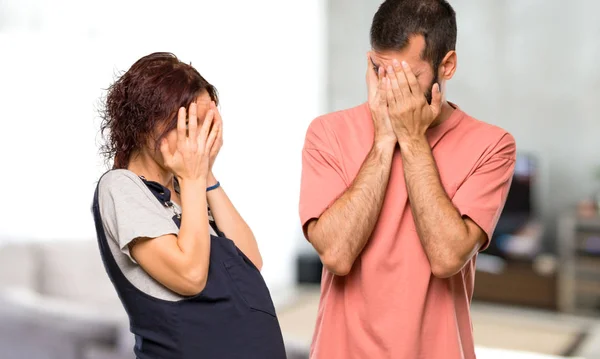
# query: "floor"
498 330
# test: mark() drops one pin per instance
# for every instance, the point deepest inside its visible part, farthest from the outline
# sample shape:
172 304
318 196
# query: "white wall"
265 57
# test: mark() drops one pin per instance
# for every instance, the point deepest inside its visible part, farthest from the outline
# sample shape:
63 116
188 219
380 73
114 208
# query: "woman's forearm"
232 224
181 262
194 235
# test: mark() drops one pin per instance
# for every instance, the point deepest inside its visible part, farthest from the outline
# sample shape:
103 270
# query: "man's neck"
143 165
445 113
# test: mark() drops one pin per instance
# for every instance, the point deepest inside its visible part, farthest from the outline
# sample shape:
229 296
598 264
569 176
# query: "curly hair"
144 99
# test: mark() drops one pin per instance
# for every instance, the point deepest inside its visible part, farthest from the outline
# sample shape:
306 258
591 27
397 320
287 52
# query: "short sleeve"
482 196
322 180
129 212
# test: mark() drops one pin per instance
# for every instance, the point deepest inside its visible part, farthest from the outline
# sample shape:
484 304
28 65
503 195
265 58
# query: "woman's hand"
191 158
217 126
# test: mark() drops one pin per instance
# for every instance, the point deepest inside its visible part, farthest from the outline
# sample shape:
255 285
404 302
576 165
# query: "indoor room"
526 66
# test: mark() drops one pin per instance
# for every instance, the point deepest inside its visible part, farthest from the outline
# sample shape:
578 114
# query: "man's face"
412 55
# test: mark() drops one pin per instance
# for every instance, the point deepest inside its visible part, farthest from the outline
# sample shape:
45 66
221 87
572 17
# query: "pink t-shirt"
390 305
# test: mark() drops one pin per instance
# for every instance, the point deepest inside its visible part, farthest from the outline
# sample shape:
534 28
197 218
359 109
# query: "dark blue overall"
233 317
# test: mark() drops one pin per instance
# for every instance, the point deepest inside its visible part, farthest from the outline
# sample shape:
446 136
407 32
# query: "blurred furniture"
56 302
518 211
308 268
514 269
524 275
579 251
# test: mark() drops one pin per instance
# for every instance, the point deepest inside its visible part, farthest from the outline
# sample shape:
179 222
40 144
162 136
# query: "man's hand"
384 132
409 112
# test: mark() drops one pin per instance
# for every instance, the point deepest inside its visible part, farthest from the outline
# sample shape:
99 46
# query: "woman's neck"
144 165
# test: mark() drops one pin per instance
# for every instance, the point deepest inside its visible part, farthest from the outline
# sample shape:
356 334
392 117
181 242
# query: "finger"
402 81
210 141
380 95
164 150
217 127
389 95
218 118
220 134
436 100
391 74
412 80
219 140
372 80
192 121
206 125
181 126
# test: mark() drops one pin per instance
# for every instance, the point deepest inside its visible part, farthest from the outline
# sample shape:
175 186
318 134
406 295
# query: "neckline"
163 194
434 134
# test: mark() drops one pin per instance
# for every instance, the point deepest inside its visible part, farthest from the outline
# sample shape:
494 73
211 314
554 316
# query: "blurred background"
529 66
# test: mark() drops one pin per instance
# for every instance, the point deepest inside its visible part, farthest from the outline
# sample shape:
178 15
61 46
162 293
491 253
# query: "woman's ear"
448 66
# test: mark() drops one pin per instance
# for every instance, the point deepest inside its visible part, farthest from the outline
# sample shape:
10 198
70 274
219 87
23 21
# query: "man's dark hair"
397 20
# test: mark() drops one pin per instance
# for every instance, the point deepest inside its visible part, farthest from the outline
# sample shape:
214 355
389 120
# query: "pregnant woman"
184 263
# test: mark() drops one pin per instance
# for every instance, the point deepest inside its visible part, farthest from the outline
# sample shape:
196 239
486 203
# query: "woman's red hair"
144 99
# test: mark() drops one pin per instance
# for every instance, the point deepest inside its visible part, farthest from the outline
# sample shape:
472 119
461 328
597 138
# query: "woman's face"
202 105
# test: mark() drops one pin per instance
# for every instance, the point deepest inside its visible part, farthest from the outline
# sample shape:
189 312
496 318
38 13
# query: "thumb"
164 150
436 100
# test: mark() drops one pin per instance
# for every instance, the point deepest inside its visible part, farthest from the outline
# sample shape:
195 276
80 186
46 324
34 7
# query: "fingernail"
390 69
404 64
396 63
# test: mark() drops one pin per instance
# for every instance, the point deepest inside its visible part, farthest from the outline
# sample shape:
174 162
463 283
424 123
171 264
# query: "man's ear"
448 66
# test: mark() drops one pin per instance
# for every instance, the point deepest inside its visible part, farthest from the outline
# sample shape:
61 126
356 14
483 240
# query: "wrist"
385 142
211 180
192 183
410 142
383 148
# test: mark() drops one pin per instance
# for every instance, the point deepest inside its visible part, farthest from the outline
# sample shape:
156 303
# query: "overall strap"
163 195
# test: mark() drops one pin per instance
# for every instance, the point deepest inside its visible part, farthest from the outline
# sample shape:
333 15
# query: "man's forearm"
440 226
342 231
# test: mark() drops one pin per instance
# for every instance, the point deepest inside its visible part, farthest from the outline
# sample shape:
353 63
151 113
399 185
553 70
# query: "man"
399 195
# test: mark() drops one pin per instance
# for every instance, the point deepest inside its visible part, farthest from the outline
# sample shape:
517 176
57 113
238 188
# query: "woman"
163 222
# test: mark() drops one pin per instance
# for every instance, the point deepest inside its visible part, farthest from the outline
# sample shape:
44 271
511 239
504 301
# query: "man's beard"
428 94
